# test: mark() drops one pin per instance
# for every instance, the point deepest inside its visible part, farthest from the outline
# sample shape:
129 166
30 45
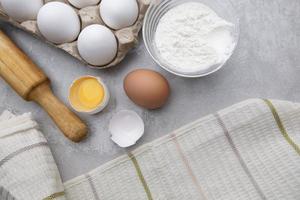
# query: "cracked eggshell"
83 3
118 14
75 89
126 128
58 22
22 10
97 45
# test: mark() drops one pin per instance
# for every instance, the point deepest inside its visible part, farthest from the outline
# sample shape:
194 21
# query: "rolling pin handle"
67 121
31 83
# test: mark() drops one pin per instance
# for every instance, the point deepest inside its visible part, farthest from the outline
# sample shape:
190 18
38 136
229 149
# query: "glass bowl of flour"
191 38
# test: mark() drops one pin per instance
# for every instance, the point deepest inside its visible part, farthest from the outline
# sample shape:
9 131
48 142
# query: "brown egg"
147 88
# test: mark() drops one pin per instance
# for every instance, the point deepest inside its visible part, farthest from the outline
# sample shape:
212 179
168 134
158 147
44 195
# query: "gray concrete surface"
265 64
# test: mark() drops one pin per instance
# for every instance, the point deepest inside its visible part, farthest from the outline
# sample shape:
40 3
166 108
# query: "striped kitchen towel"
249 151
27 167
244 152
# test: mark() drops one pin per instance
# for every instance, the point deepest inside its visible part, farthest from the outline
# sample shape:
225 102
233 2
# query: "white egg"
21 10
97 45
58 22
119 14
83 3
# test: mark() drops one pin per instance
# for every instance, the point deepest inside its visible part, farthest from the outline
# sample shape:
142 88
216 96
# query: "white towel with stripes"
27 168
249 151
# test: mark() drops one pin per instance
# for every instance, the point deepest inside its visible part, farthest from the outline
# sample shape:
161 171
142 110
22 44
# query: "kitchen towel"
27 168
249 151
244 152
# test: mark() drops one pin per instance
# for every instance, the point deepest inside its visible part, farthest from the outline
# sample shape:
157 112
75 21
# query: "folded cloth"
27 168
247 151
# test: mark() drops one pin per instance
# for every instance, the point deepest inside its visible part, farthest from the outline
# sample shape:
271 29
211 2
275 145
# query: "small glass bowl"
158 8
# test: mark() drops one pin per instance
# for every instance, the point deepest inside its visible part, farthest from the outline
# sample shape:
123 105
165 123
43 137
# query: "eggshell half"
22 10
126 128
119 14
58 22
74 99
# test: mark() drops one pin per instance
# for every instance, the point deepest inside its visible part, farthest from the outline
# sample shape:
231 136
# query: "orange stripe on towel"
187 165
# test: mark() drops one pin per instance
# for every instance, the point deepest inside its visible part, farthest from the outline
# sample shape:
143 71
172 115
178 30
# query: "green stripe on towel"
281 126
20 151
54 196
140 175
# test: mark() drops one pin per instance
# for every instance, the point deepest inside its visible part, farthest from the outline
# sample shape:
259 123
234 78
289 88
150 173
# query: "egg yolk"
90 93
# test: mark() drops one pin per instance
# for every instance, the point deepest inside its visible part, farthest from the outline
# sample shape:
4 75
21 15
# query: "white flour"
193 38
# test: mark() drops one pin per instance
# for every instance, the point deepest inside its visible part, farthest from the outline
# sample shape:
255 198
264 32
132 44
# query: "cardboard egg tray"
127 37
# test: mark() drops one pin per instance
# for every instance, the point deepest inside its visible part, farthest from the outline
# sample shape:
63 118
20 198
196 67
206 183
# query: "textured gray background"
265 64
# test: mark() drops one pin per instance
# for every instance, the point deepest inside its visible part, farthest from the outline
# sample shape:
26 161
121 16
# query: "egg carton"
127 37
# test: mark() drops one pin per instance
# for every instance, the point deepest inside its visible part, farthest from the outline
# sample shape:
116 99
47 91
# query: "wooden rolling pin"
33 85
